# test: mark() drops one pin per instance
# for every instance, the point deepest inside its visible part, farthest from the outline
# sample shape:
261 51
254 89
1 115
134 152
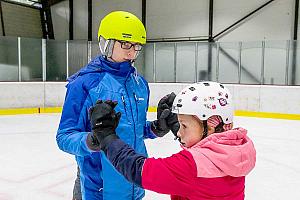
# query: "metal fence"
258 62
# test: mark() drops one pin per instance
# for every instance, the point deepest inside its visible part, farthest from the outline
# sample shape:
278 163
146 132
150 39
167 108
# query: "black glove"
166 120
104 121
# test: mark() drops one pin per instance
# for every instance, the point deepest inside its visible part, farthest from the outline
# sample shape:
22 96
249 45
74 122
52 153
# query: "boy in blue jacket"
111 76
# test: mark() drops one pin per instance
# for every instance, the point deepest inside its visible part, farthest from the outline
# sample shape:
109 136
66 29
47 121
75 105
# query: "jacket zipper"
136 105
124 104
134 142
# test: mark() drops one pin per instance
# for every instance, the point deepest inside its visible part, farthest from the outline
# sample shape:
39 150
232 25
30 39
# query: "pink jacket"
214 168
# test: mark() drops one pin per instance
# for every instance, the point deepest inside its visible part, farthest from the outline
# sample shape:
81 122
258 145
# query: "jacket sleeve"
72 132
171 175
124 159
148 133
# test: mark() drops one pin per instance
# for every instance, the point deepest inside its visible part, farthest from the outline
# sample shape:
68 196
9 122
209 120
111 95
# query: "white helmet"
205 99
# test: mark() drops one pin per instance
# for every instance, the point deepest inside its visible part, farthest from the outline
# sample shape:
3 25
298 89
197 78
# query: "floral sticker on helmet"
194 98
192 88
222 101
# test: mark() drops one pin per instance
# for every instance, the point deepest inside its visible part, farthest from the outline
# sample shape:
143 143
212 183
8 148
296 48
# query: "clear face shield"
106 46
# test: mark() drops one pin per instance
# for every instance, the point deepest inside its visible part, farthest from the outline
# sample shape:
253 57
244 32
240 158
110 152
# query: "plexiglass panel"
228 63
149 62
297 66
202 61
9 67
275 62
56 60
139 63
251 62
185 62
164 65
78 51
212 61
95 49
294 63
31 59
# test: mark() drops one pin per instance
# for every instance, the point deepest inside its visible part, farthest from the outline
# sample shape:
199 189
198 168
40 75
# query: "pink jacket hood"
229 153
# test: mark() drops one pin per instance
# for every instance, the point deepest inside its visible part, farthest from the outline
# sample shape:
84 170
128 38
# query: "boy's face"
191 130
120 54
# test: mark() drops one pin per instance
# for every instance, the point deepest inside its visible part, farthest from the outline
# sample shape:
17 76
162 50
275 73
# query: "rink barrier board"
241 113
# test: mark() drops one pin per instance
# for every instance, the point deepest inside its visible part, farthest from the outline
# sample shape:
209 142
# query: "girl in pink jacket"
215 158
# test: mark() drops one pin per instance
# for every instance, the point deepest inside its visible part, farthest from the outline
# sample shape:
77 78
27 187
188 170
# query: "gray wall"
186 18
273 22
21 21
179 18
80 19
60 18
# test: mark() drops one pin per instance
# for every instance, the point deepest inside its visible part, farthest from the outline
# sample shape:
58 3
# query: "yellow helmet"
121 25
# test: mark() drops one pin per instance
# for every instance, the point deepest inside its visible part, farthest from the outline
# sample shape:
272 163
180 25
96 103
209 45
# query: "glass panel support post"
239 61
196 62
19 60
67 57
262 73
175 61
154 62
89 51
288 45
217 62
44 62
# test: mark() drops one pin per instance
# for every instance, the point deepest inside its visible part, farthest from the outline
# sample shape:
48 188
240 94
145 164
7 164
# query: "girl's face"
191 130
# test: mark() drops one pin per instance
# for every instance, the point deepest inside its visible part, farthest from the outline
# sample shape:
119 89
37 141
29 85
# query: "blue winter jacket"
105 80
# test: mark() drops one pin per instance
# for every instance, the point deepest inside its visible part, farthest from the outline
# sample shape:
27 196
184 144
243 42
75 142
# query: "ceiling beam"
53 2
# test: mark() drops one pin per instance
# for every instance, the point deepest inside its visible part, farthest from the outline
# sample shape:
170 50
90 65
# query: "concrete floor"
33 168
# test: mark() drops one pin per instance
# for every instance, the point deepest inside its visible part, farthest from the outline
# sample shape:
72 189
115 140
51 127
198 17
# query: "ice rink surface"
33 168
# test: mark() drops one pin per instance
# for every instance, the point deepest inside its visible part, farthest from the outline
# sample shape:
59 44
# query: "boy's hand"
104 121
166 120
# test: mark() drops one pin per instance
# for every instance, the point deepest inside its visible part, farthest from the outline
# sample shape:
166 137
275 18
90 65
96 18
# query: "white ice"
33 168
